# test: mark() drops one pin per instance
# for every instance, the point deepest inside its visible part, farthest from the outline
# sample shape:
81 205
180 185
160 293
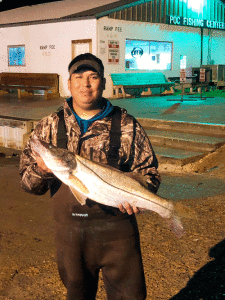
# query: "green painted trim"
110 11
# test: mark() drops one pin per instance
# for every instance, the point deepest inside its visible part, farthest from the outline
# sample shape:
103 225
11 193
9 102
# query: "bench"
29 82
192 83
138 84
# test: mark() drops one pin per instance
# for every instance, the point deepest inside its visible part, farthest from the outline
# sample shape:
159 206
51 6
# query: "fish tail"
175 225
174 222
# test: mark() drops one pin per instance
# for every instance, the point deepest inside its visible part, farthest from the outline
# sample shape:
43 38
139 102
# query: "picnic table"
139 84
25 83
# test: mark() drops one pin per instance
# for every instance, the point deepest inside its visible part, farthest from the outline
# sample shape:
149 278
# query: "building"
129 36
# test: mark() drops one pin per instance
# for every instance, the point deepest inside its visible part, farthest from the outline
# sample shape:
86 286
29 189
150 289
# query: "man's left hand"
127 208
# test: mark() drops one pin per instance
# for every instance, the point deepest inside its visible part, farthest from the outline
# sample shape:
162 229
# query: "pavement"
194 110
181 186
190 186
34 107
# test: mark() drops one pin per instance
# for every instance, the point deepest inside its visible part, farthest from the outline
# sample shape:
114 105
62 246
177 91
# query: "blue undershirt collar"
85 124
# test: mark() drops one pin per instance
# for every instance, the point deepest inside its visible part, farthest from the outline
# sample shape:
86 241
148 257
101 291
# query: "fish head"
55 158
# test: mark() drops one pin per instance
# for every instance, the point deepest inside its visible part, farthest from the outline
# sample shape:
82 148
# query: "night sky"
10 4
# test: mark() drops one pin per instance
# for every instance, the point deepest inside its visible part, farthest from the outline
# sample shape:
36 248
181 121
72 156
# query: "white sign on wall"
113 52
47 47
182 75
202 75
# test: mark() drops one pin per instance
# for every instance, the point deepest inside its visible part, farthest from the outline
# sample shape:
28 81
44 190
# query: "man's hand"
127 208
41 165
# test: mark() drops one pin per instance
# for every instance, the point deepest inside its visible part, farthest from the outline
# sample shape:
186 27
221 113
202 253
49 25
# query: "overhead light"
196 5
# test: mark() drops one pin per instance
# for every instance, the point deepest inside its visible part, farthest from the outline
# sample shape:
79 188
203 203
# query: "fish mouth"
39 147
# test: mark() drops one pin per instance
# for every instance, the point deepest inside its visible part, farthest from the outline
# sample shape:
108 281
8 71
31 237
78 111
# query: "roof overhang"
107 9
59 20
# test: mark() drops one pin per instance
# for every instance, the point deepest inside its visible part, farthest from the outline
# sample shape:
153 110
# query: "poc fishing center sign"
193 22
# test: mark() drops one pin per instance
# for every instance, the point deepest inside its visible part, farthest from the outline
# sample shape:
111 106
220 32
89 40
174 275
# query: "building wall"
186 41
218 47
48 46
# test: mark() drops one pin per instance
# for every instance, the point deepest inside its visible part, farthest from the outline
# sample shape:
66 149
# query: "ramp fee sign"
113 52
182 75
202 75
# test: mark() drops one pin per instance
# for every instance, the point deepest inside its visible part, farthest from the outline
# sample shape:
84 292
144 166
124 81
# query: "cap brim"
85 64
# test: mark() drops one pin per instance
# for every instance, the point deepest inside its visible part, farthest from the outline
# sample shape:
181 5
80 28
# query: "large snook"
106 185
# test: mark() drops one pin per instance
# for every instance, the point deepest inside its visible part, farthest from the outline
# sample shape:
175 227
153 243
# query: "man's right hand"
40 163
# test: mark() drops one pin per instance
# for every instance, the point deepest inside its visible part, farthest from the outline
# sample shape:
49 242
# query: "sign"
182 75
137 52
192 22
113 52
114 44
45 47
202 75
111 28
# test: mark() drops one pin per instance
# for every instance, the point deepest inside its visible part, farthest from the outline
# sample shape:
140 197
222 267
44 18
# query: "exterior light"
196 5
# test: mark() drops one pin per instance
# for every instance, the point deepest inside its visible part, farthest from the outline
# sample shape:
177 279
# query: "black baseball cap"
86 61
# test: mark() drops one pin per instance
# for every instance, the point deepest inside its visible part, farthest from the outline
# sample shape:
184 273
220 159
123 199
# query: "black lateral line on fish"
122 189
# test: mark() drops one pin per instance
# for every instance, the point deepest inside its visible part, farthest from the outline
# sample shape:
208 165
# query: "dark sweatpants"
86 246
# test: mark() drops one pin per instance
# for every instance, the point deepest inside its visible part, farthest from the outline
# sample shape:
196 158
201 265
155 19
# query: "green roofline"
113 10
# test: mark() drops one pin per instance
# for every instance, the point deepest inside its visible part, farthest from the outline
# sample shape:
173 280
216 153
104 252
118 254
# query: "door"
81 46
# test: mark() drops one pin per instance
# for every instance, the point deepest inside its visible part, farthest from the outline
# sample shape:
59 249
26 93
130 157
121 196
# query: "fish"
108 186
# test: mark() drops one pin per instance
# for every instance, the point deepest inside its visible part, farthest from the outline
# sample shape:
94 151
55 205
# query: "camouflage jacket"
135 151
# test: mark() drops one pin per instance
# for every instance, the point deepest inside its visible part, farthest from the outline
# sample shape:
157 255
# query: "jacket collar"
70 119
72 122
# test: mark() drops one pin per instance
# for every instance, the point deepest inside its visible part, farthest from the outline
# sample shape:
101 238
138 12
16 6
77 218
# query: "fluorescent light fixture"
196 5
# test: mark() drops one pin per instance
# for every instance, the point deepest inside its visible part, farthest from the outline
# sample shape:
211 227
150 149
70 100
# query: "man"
94 236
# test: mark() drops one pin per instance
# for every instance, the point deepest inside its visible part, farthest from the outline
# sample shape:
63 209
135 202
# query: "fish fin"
175 225
174 222
138 177
184 211
79 184
80 198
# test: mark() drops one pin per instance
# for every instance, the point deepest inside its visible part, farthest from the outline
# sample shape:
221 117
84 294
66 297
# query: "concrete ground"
190 110
34 108
209 110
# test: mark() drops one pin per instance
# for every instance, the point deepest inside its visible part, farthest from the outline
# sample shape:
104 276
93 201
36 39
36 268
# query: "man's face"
86 89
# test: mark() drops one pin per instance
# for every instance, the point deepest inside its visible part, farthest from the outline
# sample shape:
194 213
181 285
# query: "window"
16 55
148 55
